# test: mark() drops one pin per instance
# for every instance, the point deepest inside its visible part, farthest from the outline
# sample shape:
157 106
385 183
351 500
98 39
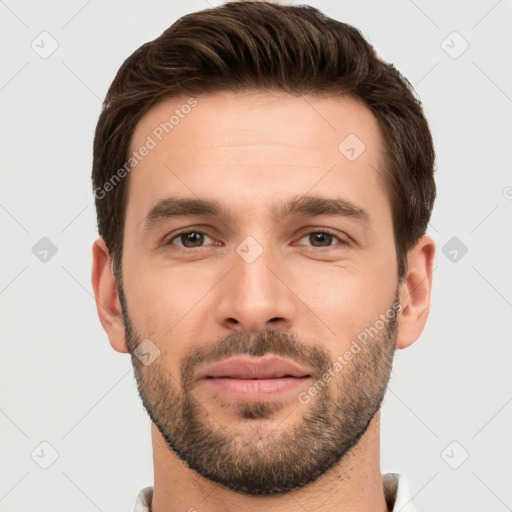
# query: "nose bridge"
253 295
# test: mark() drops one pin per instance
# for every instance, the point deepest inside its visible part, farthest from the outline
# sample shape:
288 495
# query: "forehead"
234 118
242 148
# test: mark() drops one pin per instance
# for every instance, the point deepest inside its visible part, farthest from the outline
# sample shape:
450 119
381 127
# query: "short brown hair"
263 46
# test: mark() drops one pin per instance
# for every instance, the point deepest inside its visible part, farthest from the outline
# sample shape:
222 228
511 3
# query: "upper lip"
269 367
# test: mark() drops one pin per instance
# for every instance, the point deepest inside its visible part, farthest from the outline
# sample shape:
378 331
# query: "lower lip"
255 389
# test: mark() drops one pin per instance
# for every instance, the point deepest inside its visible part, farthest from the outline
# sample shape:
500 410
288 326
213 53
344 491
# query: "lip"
254 389
246 368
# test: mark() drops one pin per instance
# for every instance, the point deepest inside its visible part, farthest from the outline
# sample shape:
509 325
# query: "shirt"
396 490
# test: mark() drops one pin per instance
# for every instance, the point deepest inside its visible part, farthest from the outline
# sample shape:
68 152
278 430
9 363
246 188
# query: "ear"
107 298
415 291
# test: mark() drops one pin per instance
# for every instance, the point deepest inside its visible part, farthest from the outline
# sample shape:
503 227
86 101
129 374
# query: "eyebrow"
301 206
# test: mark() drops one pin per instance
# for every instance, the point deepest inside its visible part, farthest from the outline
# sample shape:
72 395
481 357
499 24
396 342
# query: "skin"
240 149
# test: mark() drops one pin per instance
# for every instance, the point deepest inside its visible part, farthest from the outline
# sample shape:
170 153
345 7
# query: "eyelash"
342 241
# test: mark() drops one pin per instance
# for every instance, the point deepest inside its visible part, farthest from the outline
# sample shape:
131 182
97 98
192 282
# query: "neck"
354 484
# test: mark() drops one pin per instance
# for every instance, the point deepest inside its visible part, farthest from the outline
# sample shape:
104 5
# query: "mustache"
273 342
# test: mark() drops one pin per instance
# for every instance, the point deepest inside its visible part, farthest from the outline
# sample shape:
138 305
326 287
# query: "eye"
192 239
323 239
189 239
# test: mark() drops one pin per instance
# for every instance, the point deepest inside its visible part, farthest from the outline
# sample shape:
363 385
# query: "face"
258 228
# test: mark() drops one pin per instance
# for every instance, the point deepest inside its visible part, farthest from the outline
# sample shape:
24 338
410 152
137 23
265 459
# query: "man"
263 185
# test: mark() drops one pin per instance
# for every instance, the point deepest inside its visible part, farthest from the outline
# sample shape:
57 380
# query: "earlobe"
106 295
415 292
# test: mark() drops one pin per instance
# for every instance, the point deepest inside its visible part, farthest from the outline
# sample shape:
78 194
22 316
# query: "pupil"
322 237
190 237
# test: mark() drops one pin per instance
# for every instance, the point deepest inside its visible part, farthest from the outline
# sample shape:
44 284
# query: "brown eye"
324 239
189 239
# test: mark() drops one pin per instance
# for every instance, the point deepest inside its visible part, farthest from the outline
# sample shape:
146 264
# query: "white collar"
396 490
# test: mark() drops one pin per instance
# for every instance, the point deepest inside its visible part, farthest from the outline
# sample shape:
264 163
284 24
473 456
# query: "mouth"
268 367
252 378
255 389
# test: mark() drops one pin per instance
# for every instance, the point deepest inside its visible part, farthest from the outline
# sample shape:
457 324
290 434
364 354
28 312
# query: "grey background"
61 381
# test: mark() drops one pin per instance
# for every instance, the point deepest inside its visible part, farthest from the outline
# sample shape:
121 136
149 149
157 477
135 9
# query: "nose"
255 295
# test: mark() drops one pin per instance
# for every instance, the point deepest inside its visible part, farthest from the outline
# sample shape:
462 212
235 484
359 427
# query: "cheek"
347 300
164 301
